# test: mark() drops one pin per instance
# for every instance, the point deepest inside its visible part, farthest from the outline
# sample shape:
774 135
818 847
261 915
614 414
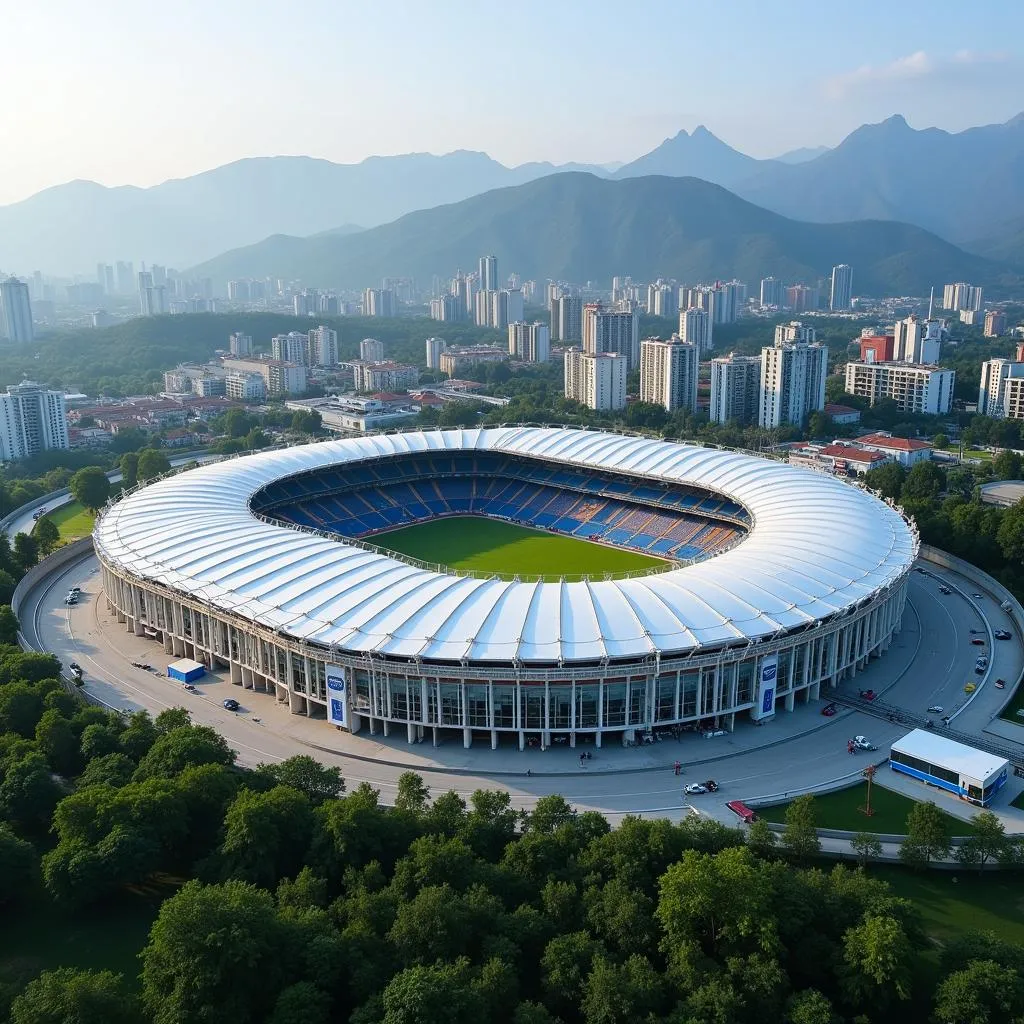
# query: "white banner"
337 695
764 702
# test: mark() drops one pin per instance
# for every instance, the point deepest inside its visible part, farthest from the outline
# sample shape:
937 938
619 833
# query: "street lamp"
869 774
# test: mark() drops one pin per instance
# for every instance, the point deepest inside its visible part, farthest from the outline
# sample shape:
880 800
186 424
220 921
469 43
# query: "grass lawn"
840 810
1018 800
73 521
1009 713
489 545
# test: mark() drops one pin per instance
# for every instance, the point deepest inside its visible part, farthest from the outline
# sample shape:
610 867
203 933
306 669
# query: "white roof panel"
957 757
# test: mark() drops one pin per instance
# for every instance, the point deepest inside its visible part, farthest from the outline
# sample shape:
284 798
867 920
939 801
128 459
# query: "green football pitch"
491 545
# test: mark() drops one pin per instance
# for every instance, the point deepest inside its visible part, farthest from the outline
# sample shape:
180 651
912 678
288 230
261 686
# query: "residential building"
125 278
962 296
567 318
906 451
379 302
16 312
488 273
914 388
801 298
483 308
530 343
696 327
456 357
842 415
668 373
245 387
596 380
322 347
917 341
772 292
448 308
290 348
1001 380
280 377
735 388
435 347
792 378
371 350
794 331
386 376
841 294
840 458
32 419
240 344
877 348
209 386
606 330
995 323
662 299
971 317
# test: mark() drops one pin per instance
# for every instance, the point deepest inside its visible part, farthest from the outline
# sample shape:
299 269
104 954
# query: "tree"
129 466
1011 533
987 841
618 993
566 964
927 839
761 838
809 1007
819 425
184 747
82 997
878 956
301 1003
307 775
800 836
1007 465
441 992
19 868
46 534
256 439
90 487
59 743
982 991
26 551
152 463
413 794
237 423
887 479
306 421
924 481
867 846
9 625
940 441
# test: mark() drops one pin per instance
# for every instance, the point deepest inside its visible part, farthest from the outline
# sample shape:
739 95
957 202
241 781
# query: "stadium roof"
958 757
816 547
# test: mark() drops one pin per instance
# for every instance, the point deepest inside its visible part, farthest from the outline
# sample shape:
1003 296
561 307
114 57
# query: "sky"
126 93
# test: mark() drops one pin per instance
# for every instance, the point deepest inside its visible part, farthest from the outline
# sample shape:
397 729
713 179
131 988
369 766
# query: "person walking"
678 767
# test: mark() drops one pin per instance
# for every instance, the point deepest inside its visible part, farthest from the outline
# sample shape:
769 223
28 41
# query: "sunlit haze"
123 93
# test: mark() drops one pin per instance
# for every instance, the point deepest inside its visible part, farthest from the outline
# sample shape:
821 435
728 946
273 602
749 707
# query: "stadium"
517 584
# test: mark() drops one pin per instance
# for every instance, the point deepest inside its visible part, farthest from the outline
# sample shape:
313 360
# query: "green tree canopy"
90 487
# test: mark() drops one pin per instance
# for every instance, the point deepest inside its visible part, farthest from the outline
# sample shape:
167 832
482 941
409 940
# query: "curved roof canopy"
816 547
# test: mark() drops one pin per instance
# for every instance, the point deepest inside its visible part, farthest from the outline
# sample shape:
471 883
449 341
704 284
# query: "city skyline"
123 66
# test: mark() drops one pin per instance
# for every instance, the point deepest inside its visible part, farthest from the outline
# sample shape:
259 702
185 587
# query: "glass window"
665 707
785 658
362 694
688 690
531 707
476 704
745 685
615 704
561 707
451 704
504 707
637 702
586 706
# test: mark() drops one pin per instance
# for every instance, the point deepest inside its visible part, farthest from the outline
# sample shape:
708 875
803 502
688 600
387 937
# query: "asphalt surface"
928 663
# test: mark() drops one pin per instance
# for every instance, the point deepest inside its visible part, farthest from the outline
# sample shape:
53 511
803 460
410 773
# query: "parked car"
1000 684
75 590
868 695
231 704
978 597
977 641
190 687
829 710
863 743
740 808
969 688
38 514
935 709
945 590
711 785
694 788
1002 634
71 599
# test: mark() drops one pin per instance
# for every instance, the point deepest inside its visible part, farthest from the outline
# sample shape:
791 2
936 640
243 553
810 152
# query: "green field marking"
493 546
73 521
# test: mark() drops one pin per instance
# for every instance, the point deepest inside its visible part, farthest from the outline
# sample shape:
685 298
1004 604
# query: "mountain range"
577 226
967 187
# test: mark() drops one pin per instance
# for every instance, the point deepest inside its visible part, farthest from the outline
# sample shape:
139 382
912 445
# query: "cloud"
916 65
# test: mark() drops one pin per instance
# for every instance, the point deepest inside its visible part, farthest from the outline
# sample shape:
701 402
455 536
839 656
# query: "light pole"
869 774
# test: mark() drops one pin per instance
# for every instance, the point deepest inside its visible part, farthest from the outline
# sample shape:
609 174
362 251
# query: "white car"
694 788
935 709
863 743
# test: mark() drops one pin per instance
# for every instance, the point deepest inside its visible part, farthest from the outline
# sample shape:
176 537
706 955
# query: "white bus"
971 774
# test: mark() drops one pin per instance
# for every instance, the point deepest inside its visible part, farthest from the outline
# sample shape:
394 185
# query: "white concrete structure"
357 636
841 294
915 389
487 270
530 343
322 347
240 344
597 381
792 379
566 318
1001 393
245 387
371 350
292 347
435 347
735 389
962 296
32 420
904 450
16 311
794 331
668 373
280 378
696 327
379 302
383 376
607 330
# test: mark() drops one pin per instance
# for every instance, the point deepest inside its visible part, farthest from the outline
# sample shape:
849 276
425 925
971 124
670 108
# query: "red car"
737 807
868 695
828 710
977 641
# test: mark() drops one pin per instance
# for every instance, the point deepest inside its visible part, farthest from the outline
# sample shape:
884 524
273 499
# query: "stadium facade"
782 581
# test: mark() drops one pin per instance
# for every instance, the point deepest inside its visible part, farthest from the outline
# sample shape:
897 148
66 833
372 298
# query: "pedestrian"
678 767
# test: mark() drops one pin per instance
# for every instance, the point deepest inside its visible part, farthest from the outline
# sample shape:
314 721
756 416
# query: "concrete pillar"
790 701
434 730
355 723
730 721
386 726
410 731
522 740
572 740
235 672
597 739
467 738
494 739
373 726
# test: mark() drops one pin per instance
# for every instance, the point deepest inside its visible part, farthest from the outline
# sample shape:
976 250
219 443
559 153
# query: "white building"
792 382
383 376
487 268
245 387
606 330
1002 381
841 295
772 292
322 347
209 386
290 348
16 312
696 327
735 388
32 419
792 332
371 350
914 388
280 377
962 296
240 344
530 343
917 341
566 318
379 302
904 450
668 373
435 348
597 380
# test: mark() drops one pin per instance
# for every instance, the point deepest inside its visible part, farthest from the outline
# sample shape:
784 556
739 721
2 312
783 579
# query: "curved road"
928 663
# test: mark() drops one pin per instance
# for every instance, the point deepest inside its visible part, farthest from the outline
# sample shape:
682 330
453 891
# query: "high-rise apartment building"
290 348
801 297
16 311
695 327
917 341
995 323
448 308
488 273
841 294
32 420
566 318
794 331
506 306
598 381
962 296
379 302
606 330
383 376
125 278
915 389
530 343
240 344
772 292
792 379
668 373
662 299
245 387
371 350
735 389
435 348
322 347
1001 394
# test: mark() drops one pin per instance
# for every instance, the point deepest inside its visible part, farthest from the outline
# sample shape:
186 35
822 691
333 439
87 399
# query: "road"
927 664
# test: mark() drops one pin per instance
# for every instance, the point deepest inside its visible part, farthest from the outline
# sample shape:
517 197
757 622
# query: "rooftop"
897 444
